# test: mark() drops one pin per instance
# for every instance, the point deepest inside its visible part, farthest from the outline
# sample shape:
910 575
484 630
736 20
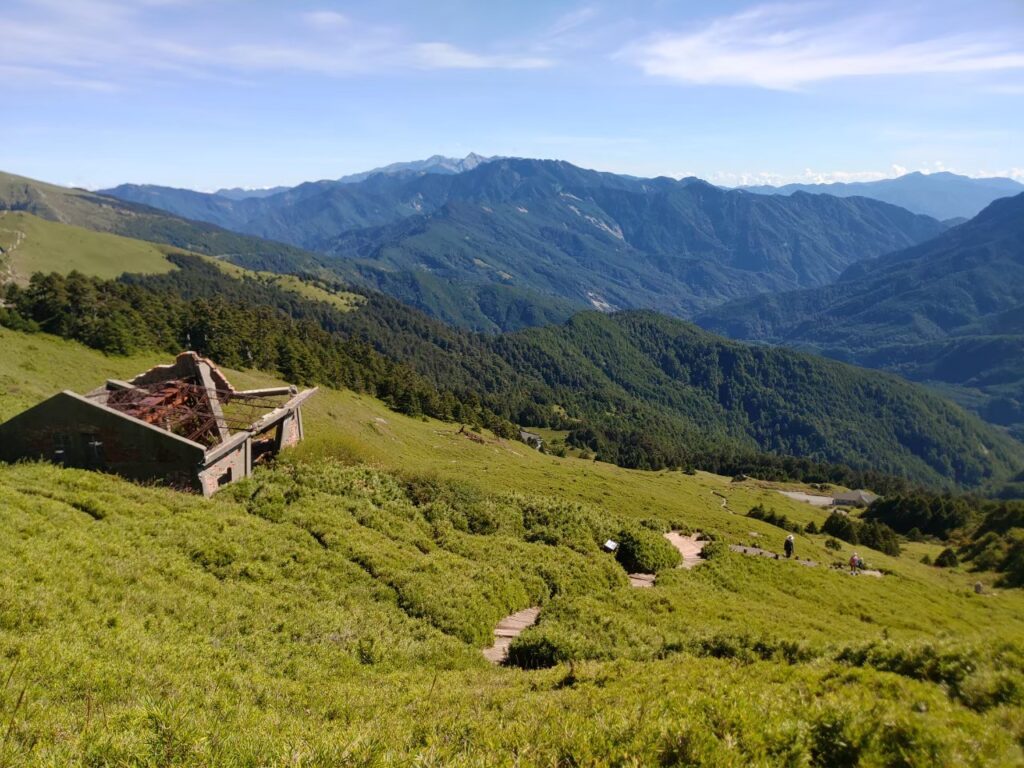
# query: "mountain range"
942 195
433 164
550 237
949 311
553 224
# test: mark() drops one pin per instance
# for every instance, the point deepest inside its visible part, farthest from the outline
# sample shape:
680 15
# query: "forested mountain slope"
635 388
949 311
550 229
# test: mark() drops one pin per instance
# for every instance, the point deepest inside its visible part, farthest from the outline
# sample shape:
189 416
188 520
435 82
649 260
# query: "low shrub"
714 549
947 559
641 550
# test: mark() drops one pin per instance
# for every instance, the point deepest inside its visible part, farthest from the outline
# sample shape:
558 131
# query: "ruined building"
182 425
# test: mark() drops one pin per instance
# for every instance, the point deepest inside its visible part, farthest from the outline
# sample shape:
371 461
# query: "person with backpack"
855 563
788 546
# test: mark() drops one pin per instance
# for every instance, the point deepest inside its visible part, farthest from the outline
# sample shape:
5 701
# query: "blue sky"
210 93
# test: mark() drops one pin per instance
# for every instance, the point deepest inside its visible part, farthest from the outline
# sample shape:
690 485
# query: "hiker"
855 563
790 543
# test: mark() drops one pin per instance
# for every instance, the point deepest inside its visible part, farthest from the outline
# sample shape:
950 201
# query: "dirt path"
509 629
725 501
814 501
689 547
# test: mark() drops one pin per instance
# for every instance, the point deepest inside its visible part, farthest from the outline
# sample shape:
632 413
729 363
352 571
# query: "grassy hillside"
331 611
31 244
81 208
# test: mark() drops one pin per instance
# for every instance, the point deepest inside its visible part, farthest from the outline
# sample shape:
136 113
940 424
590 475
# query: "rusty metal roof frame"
188 398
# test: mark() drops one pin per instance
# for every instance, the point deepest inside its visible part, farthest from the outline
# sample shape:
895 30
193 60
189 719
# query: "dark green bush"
771 517
947 559
842 527
714 549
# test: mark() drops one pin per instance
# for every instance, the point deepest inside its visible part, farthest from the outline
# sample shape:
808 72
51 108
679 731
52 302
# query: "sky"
212 93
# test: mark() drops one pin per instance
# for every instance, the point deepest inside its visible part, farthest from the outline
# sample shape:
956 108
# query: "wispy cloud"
786 46
104 45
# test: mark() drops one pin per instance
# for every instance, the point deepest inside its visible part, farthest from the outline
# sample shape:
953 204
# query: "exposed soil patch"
808 498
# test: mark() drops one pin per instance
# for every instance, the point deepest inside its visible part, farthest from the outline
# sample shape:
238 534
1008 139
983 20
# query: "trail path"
509 629
689 547
725 501
758 552
642 580
6 262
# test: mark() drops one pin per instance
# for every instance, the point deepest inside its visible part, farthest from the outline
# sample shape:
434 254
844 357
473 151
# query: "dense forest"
635 389
985 533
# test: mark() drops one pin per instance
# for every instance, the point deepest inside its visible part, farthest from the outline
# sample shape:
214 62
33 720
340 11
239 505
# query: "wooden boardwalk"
509 629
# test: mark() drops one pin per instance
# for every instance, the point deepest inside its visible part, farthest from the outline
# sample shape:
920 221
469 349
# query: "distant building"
531 439
858 498
182 425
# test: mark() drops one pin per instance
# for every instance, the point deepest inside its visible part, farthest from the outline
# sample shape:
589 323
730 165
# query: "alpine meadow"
669 412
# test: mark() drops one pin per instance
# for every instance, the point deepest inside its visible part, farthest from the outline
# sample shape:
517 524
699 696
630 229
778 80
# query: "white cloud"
783 47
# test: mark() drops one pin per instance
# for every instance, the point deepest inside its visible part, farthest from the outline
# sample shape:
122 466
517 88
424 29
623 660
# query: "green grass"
48 246
330 611
342 300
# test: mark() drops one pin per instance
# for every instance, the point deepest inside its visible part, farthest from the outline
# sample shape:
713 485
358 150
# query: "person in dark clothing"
789 545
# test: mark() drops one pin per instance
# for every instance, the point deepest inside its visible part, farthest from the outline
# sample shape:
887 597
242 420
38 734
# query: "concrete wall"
70 430
231 467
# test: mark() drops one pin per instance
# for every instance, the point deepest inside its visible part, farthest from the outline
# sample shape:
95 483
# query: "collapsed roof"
183 424
193 399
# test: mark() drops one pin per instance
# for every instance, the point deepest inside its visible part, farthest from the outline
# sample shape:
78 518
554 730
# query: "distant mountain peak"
433 164
940 194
